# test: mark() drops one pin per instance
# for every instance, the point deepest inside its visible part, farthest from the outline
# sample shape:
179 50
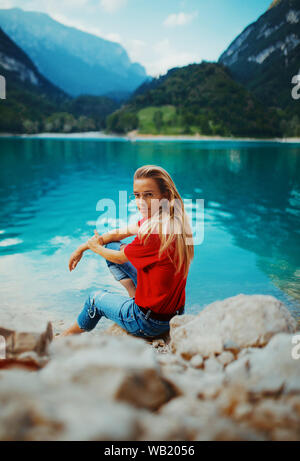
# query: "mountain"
34 104
201 98
19 67
265 56
248 93
28 93
75 61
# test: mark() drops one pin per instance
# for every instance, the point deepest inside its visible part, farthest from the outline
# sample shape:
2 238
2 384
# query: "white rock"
203 421
243 319
212 365
25 347
268 370
117 368
225 358
196 383
197 361
30 410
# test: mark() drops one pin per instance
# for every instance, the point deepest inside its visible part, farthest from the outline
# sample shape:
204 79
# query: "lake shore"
215 377
135 136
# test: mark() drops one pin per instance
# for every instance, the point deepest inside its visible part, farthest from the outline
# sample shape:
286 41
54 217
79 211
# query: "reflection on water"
49 189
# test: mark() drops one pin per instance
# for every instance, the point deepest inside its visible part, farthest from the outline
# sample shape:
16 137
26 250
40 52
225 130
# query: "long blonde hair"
172 225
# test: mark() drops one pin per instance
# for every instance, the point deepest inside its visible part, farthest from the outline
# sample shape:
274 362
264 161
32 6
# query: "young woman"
153 267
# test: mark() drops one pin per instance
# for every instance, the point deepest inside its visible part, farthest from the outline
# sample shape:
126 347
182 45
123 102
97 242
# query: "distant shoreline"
133 137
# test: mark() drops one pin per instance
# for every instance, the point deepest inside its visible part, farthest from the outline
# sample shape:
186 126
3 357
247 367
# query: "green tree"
129 121
122 122
158 120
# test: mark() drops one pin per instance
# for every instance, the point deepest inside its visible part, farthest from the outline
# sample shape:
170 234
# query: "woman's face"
144 190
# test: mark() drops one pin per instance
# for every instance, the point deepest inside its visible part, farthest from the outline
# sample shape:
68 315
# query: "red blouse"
158 288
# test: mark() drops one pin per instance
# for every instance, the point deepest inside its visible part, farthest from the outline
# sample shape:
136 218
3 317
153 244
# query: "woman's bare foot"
73 330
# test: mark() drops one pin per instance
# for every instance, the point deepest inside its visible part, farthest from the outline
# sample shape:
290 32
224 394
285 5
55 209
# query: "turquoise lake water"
49 189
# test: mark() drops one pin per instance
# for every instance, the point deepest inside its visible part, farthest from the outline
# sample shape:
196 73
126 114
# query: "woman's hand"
92 244
99 237
74 259
95 242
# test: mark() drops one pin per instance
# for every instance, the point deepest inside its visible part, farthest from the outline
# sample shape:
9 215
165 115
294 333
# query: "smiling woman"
153 267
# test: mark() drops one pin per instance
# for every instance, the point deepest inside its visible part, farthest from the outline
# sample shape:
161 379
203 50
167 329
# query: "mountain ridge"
235 97
34 104
265 56
62 53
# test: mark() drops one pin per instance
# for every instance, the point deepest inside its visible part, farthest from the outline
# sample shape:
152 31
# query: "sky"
158 34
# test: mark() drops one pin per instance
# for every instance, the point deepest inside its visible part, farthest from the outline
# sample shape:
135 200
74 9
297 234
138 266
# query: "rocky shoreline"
230 372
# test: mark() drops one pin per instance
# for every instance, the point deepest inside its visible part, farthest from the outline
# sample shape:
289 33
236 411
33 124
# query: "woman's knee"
89 316
94 299
113 245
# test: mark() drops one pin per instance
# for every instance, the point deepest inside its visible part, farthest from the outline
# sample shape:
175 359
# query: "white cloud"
45 5
111 6
179 19
6 4
157 59
72 22
136 49
165 57
65 12
113 37
75 3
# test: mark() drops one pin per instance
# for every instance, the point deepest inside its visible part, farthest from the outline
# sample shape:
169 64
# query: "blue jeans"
121 309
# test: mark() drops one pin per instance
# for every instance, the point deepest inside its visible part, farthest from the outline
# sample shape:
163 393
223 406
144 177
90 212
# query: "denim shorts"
119 308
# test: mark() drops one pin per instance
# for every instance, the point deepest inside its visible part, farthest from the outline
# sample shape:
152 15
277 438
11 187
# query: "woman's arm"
111 236
77 254
115 256
120 234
